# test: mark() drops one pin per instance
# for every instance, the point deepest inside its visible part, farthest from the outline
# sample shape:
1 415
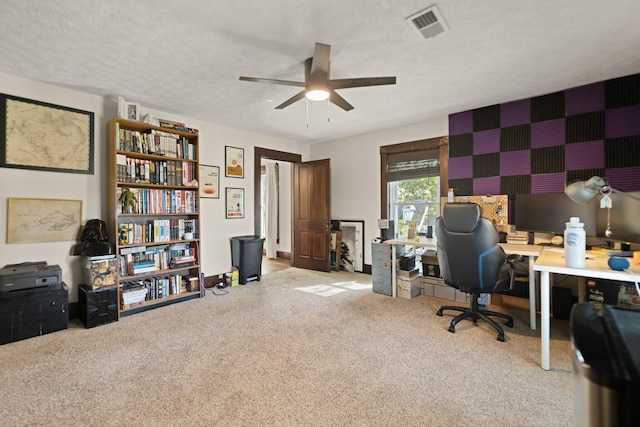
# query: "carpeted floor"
298 348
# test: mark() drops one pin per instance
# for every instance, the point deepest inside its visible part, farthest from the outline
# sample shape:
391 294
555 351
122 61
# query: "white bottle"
450 196
574 243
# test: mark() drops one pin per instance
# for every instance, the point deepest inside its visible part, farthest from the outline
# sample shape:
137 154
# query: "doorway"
311 210
261 154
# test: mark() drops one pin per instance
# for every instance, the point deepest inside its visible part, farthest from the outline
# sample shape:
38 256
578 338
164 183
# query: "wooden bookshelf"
153 245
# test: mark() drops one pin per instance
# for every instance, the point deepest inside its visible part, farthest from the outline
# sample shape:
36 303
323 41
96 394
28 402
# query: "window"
413 177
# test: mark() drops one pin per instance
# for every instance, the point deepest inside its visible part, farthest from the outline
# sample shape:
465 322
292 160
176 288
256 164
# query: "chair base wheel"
439 313
452 329
501 338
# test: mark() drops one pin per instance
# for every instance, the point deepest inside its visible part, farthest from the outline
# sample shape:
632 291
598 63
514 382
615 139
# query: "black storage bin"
605 344
32 313
246 256
407 262
97 307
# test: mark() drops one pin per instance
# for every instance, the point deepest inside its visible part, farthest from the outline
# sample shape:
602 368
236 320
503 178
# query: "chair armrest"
513 258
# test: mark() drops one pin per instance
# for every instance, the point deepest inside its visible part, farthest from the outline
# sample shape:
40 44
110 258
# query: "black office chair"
472 261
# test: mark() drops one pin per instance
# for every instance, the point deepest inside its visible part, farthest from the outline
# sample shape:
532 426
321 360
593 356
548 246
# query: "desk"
531 251
551 260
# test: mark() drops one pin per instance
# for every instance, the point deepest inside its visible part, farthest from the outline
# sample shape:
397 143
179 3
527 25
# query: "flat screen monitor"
548 213
625 218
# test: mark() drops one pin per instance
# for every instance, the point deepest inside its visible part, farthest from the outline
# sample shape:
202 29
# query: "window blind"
413 165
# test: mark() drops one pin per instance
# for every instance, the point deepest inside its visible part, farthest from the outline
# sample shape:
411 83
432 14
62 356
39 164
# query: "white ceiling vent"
429 22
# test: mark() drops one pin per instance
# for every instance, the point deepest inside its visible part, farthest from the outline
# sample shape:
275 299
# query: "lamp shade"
583 191
317 94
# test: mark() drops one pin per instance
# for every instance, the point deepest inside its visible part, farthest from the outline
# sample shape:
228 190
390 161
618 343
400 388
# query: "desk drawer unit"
381 268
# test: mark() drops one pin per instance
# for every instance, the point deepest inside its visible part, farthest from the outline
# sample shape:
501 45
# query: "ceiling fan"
318 85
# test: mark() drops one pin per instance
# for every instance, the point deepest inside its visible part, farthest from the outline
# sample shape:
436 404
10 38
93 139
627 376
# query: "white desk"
551 260
531 251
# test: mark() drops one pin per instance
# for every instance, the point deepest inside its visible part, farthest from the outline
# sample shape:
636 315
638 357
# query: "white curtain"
271 214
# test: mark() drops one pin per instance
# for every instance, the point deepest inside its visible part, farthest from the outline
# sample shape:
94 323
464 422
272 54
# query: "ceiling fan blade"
272 81
340 101
291 100
320 63
361 82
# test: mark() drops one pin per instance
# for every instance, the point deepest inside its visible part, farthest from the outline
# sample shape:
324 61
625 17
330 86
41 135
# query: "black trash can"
606 363
246 256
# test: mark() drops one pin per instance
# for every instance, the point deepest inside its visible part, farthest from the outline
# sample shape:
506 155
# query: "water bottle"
450 196
574 243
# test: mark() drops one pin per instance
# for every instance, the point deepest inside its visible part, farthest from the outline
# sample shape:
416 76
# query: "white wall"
215 229
355 171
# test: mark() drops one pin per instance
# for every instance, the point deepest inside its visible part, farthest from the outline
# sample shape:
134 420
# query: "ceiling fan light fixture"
317 94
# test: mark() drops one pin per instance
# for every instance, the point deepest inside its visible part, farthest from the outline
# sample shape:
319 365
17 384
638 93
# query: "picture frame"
209 182
43 220
335 249
353 239
234 162
234 207
69 143
132 111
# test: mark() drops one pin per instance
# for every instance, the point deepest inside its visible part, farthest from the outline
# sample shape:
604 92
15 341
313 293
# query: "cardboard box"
427 287
444 292
463 297
409 288
99 272
408 274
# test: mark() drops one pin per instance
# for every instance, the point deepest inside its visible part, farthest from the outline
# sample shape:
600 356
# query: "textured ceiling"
185 57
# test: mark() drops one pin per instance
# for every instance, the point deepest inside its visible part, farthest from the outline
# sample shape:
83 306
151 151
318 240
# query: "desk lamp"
584 191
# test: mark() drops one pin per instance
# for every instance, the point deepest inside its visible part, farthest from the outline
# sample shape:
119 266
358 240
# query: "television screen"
548 213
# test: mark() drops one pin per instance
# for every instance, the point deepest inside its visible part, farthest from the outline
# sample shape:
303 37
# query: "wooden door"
312 215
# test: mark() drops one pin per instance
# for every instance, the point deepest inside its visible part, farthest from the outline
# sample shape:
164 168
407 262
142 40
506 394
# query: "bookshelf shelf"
158 262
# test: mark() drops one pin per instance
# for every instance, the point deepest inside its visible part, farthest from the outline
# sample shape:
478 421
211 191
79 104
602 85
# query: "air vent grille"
425 20
428 22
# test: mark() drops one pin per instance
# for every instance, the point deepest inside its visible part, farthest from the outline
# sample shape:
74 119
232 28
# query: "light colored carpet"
270 354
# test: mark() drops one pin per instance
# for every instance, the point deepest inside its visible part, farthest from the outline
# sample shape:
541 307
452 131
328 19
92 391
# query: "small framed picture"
234 162
209 182
128 110
235 203
133 111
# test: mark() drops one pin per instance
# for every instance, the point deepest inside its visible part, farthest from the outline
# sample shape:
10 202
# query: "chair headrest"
461 217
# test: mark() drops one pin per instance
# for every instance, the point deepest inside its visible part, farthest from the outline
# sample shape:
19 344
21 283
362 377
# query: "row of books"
155 142
176 126
151 288
161 201
160 172
157 230
142 260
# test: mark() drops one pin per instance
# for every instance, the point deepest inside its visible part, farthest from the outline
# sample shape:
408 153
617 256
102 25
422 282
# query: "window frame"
441 143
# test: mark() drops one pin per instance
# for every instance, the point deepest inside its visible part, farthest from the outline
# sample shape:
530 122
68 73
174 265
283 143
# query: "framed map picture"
209 182
41 136
234 162
43 220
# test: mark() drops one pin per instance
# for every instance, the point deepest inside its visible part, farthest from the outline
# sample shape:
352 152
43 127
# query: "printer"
30 277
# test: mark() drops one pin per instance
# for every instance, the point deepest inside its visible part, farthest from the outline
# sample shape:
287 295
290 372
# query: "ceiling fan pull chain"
307 114
328 112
